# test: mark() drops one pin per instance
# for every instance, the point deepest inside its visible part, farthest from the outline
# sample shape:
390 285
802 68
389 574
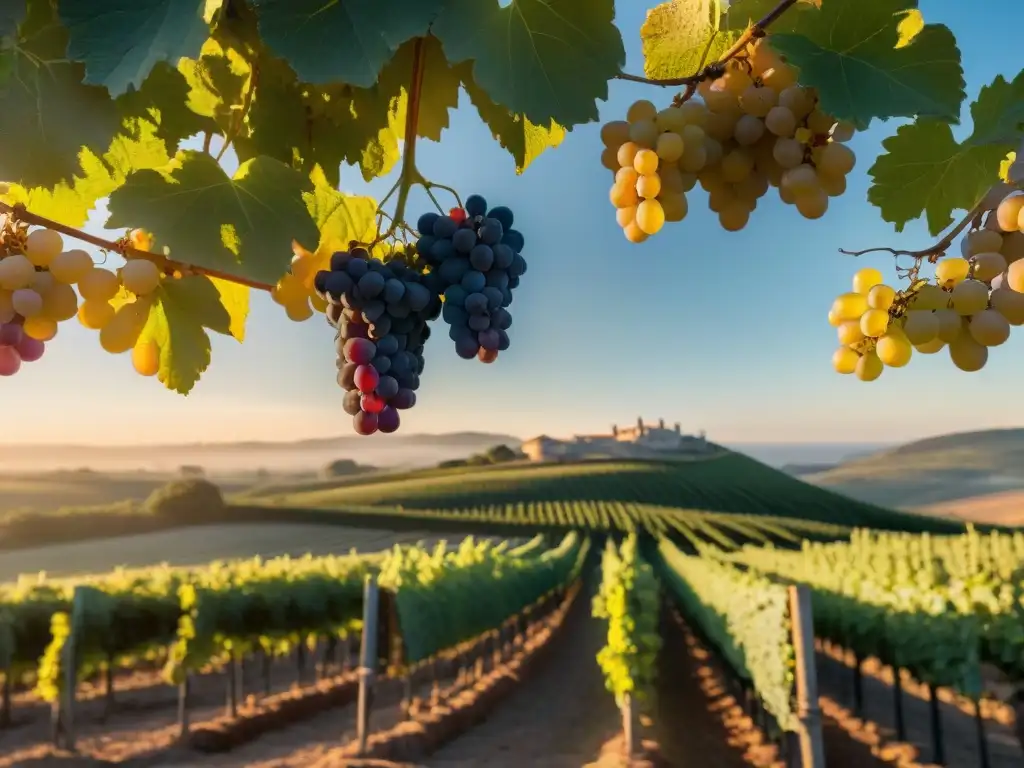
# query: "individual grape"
874 323
843 131
360 351
835 159
95 314
610 159
819 122
627 154
980 241
650 217
487 355
894 349
624 196
845 360
10 334
641 110
673 205
781 122
645 162
388 420
802 180
951 271
648 186
849 332
10 361
299 312
146 357
120 334
989 328
26 302
929 296
1012 248
633 233
850 306
734 216
644 133
1009 304
813 204
669 147
371 403
97 284
950 324
42 246
16 271
625 216
40 328
757 101
797 100
788 153
30 350
921 327
967 354
833 319
693 159
613 134
141 276
969 297
988 265
869 367
748 130
864 280
1010 211
737 165
833 186
881 296
503 215
365 423
779 78
476 205
72 266
930 347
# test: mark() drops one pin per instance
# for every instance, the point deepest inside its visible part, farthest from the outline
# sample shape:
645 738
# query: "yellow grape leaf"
235 299
909 27
60 203
524 139
182 311
439 91
680 36
341 218
371 123
217 82
1004 167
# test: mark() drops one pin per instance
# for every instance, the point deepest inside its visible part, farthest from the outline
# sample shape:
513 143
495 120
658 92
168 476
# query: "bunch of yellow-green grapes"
295 291
752 129
38 281
968 307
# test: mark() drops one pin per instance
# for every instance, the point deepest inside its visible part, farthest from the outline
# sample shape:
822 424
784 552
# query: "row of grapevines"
744 615
628 599
918 602
445 596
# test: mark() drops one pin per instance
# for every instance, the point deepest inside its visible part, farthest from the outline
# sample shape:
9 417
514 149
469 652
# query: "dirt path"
559 719
959 729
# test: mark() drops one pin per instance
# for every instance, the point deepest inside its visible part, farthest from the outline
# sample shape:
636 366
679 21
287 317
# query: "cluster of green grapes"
753 128
38 282
969 306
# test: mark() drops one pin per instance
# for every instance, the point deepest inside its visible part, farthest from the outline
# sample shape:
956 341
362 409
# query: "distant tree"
501 453
191 470
187 499
452 463
341 468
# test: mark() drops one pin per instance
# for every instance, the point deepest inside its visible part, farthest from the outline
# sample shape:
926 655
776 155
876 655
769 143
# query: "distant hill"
294 455
939 473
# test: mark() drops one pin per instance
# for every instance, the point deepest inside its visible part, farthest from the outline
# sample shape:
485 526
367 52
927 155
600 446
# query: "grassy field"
730 483
197 546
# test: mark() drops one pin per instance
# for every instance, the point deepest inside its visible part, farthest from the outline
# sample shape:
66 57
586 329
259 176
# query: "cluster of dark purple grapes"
381 313
475 258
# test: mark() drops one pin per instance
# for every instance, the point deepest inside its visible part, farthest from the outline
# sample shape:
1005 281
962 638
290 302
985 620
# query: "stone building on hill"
638 441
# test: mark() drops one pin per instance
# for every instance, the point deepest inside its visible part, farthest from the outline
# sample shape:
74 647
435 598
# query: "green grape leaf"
177 324
287 121
926 171
370 122
242 226
49 115
348 42
120 41
12 12
340 217
524 140
855 52
743 13
439 91
163 101
998 113
545 59
217 81
680 37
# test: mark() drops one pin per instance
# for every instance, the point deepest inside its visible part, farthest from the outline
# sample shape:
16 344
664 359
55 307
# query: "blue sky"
720 331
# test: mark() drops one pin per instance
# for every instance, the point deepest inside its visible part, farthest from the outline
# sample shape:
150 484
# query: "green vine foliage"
629 600
98 102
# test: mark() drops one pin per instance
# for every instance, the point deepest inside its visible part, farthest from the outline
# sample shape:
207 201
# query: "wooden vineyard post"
630 726
812 744
367 661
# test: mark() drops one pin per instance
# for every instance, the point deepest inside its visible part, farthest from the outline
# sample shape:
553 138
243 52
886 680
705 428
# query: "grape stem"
20 213
754 32
934 251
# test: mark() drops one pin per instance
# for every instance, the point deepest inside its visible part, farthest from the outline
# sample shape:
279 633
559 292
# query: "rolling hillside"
940 475
730 483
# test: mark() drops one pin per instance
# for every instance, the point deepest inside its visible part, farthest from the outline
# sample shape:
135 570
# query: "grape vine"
769 94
